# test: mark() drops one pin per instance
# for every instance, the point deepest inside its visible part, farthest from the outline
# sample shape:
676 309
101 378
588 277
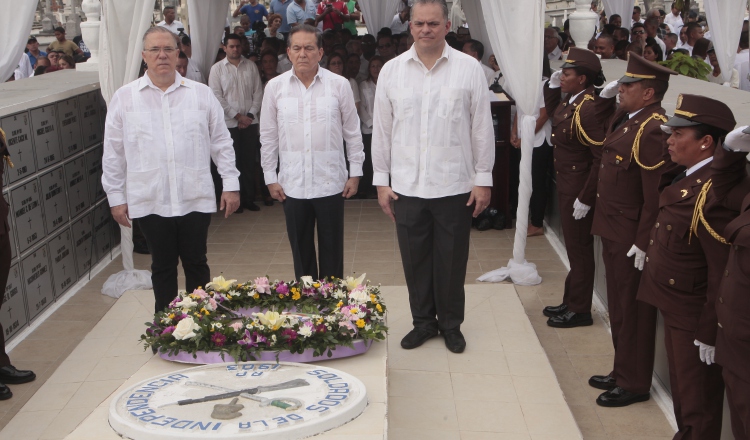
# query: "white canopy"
15 26
725 23
378 13
623 8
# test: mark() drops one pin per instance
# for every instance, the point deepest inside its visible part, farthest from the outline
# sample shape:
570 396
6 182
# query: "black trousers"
301 218
541 162
246 143
365 183
173 238
5 256
433 236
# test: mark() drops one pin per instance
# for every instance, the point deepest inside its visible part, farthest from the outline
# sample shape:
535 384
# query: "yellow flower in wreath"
296 296
360 323
256 296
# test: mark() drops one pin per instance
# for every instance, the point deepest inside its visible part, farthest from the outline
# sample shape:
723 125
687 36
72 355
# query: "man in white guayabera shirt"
307 114
162 132
433 137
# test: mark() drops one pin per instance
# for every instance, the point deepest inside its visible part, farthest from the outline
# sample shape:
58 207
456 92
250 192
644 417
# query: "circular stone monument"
232 401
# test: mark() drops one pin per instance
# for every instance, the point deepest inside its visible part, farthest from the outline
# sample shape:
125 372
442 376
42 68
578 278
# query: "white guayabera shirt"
432 129
238 89
303 130
158 148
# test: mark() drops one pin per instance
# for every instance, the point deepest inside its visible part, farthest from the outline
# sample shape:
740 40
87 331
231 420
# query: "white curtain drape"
475 17
207 32
623 8
122 27
725 23
15 27
457 15
378 13
516 31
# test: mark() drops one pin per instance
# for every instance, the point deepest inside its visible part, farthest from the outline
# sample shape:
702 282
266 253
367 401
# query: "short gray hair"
440 3
158 30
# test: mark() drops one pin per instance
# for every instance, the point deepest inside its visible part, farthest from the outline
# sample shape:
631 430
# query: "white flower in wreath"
273 339
368 327
185 329
359 295
305 330
331 319
220 284
216 325
186 303
339 294
307 281
352 283
361 315
273 320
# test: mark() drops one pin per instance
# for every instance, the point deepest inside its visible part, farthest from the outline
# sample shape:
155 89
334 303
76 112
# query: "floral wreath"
243 320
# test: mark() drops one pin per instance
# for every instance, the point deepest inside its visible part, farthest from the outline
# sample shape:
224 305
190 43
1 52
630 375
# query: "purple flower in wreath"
320 328
282 288
252 339
290 334
218 339
174 301
168 330
308 291
262 285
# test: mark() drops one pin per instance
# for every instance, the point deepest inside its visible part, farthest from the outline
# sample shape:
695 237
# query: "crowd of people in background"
657 36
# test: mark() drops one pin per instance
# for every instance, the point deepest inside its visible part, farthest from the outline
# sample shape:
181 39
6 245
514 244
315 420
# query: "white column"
90 33
583 23
48 22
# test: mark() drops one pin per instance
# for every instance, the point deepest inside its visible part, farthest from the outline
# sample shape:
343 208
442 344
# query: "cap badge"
679 101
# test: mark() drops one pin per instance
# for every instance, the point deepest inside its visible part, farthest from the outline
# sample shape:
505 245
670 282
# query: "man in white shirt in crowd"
433 153
400 23
23 69
306 116
162 131
651 25
193 72
742 62
170 22
552 44
674 19
694 32
636 16
236 83
475 49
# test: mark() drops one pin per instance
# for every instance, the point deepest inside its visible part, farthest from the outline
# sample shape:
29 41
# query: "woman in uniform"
578 128
685 262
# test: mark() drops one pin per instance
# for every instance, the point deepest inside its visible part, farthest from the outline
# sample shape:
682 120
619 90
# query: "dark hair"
607 38
182 56
635 48
306 28
385 32
332 56
651 43
624 32
477 47
651 21
636 25
374 58
744 41
673 37
40 70
660 87
592 78
166 8
612 17
609 29
60 29
716 133
352 55
68 59
636 8
185 41
232 37
275 43
701 47
690 27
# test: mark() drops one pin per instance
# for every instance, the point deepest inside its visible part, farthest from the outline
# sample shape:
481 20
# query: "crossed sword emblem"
286 403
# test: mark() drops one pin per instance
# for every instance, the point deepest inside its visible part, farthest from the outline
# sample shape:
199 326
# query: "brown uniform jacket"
681 275
627 194
733 298
577 164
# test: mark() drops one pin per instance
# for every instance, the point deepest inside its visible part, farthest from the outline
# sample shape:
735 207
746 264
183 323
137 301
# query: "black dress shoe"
454 340
417 337
5 393
9 374
551 311
268 202
618 397
603 382
251 206
570 319
239 210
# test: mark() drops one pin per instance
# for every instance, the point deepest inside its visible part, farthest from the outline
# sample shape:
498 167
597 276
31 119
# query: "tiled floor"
251 244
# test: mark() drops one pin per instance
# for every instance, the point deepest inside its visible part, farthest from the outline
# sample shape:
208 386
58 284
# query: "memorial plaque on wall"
82 231
46 136
37 281
78 193
63 261
27 214
13 312
94 171
20 146
12 230
102 231
54 199
91 128
70 128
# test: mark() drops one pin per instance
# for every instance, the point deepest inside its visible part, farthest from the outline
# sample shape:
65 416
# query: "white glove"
737 140
580 210
707 352
640 257
610 90
554 80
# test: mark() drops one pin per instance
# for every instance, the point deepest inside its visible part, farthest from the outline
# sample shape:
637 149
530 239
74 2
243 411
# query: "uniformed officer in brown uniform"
635 166
8 373
578 129
685 262
733 304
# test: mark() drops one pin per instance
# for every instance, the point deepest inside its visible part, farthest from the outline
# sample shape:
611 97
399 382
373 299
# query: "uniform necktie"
623 121
679 177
